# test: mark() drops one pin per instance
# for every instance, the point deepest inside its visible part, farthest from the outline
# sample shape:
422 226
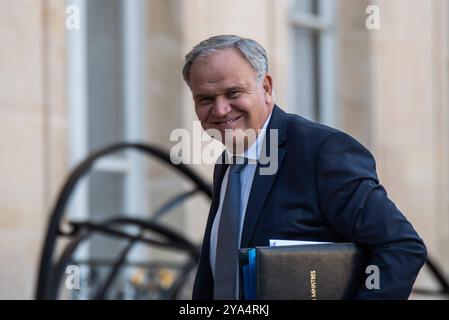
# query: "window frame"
323 23
136 195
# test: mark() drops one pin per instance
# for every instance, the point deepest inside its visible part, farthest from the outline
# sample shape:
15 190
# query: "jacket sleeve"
358 208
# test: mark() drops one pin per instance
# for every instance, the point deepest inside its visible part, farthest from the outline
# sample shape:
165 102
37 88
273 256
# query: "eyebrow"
232 88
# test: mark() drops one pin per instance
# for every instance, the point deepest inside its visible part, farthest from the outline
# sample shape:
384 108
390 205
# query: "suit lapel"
262 184
219 172
203 287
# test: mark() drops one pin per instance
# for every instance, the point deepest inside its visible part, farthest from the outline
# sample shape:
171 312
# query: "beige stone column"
32 134
409 114
353 80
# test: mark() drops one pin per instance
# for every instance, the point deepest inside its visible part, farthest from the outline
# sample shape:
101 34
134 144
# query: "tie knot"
237 164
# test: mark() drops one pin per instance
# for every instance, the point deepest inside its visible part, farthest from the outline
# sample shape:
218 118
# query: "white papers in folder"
280 243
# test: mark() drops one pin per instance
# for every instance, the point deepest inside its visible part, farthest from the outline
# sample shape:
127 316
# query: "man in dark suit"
324 188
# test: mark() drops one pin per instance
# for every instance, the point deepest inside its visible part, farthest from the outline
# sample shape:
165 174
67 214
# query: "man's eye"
233 94
205 100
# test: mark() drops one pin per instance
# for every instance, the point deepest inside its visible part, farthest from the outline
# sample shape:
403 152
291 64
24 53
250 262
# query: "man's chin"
236 140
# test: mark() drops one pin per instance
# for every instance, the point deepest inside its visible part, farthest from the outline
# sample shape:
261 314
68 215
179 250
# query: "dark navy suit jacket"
326 189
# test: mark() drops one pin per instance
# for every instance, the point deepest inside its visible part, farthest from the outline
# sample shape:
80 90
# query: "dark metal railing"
51 271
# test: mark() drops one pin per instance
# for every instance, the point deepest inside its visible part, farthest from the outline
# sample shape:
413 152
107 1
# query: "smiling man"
325 187
228 94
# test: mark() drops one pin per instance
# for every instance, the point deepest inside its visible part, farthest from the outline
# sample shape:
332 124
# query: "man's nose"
221 107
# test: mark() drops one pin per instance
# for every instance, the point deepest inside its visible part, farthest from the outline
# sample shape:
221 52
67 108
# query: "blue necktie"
228 237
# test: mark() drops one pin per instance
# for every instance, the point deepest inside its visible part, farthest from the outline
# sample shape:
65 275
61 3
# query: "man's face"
227 95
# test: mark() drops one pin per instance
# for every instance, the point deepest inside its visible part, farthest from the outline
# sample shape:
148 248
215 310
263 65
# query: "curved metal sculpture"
51 272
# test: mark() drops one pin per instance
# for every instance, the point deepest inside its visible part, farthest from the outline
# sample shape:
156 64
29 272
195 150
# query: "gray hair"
252 51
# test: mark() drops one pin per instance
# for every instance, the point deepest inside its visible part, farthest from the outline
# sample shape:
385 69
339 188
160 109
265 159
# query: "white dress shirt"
246 181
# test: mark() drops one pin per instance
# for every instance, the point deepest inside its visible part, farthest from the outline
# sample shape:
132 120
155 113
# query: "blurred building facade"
65 92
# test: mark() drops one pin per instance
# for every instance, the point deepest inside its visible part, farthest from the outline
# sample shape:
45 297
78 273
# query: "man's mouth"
225 122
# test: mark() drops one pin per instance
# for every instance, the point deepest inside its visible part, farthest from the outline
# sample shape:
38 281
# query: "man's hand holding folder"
302 271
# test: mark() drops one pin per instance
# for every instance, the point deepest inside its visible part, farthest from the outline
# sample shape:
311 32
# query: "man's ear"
268 89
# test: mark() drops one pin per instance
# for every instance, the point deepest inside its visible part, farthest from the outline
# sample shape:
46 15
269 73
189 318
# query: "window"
106 90
312 53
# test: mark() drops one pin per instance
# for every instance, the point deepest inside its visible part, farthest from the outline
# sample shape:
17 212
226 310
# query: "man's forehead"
220 63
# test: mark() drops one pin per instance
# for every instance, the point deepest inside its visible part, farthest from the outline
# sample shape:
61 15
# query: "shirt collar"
253 152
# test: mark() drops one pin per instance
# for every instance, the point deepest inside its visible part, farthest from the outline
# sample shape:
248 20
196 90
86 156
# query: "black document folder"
329 271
